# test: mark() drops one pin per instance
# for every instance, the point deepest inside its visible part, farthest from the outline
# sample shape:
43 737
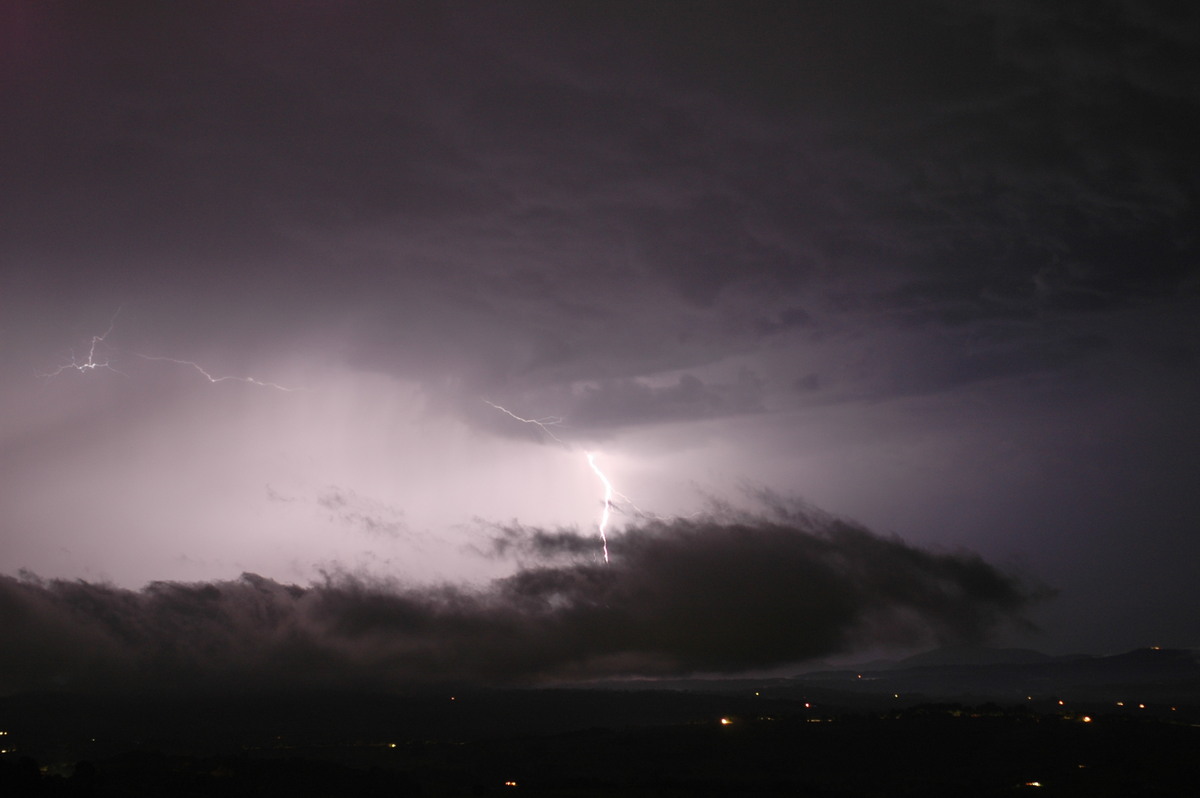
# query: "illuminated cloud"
932 265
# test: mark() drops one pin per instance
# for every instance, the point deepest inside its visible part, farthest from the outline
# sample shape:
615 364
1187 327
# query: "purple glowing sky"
929 267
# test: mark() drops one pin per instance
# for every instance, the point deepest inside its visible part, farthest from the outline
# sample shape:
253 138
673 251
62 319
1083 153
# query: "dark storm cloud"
632 401
539 194
954 221
603 404
1062 180
678 597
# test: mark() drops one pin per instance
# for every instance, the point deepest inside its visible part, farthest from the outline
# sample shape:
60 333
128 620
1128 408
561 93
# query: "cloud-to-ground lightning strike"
91 364
608 494
211 378
544 424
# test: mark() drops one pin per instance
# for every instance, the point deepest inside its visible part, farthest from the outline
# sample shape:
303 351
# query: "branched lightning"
211 378
544 425
95 360
91 363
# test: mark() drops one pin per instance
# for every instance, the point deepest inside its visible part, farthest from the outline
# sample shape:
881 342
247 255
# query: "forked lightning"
544 425
91 364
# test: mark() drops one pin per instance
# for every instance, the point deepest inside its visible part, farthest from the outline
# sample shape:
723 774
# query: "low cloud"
722 594
361 513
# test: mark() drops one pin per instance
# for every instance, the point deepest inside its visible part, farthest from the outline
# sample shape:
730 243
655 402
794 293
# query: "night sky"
881 319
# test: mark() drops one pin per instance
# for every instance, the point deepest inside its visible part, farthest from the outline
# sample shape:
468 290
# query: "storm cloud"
679 597
933 265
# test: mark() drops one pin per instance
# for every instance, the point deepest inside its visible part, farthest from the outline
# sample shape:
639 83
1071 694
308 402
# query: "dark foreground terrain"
810 736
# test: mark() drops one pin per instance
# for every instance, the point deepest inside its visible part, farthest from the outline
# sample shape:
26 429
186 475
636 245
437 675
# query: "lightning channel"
543 424
608 494
211 378
91 363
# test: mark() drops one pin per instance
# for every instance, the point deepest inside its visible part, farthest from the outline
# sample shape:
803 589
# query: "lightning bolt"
94 361
608 494
91 363
543 424
211 378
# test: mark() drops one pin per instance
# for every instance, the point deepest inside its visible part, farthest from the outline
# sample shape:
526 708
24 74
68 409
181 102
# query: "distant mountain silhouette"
973 655
1012 674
